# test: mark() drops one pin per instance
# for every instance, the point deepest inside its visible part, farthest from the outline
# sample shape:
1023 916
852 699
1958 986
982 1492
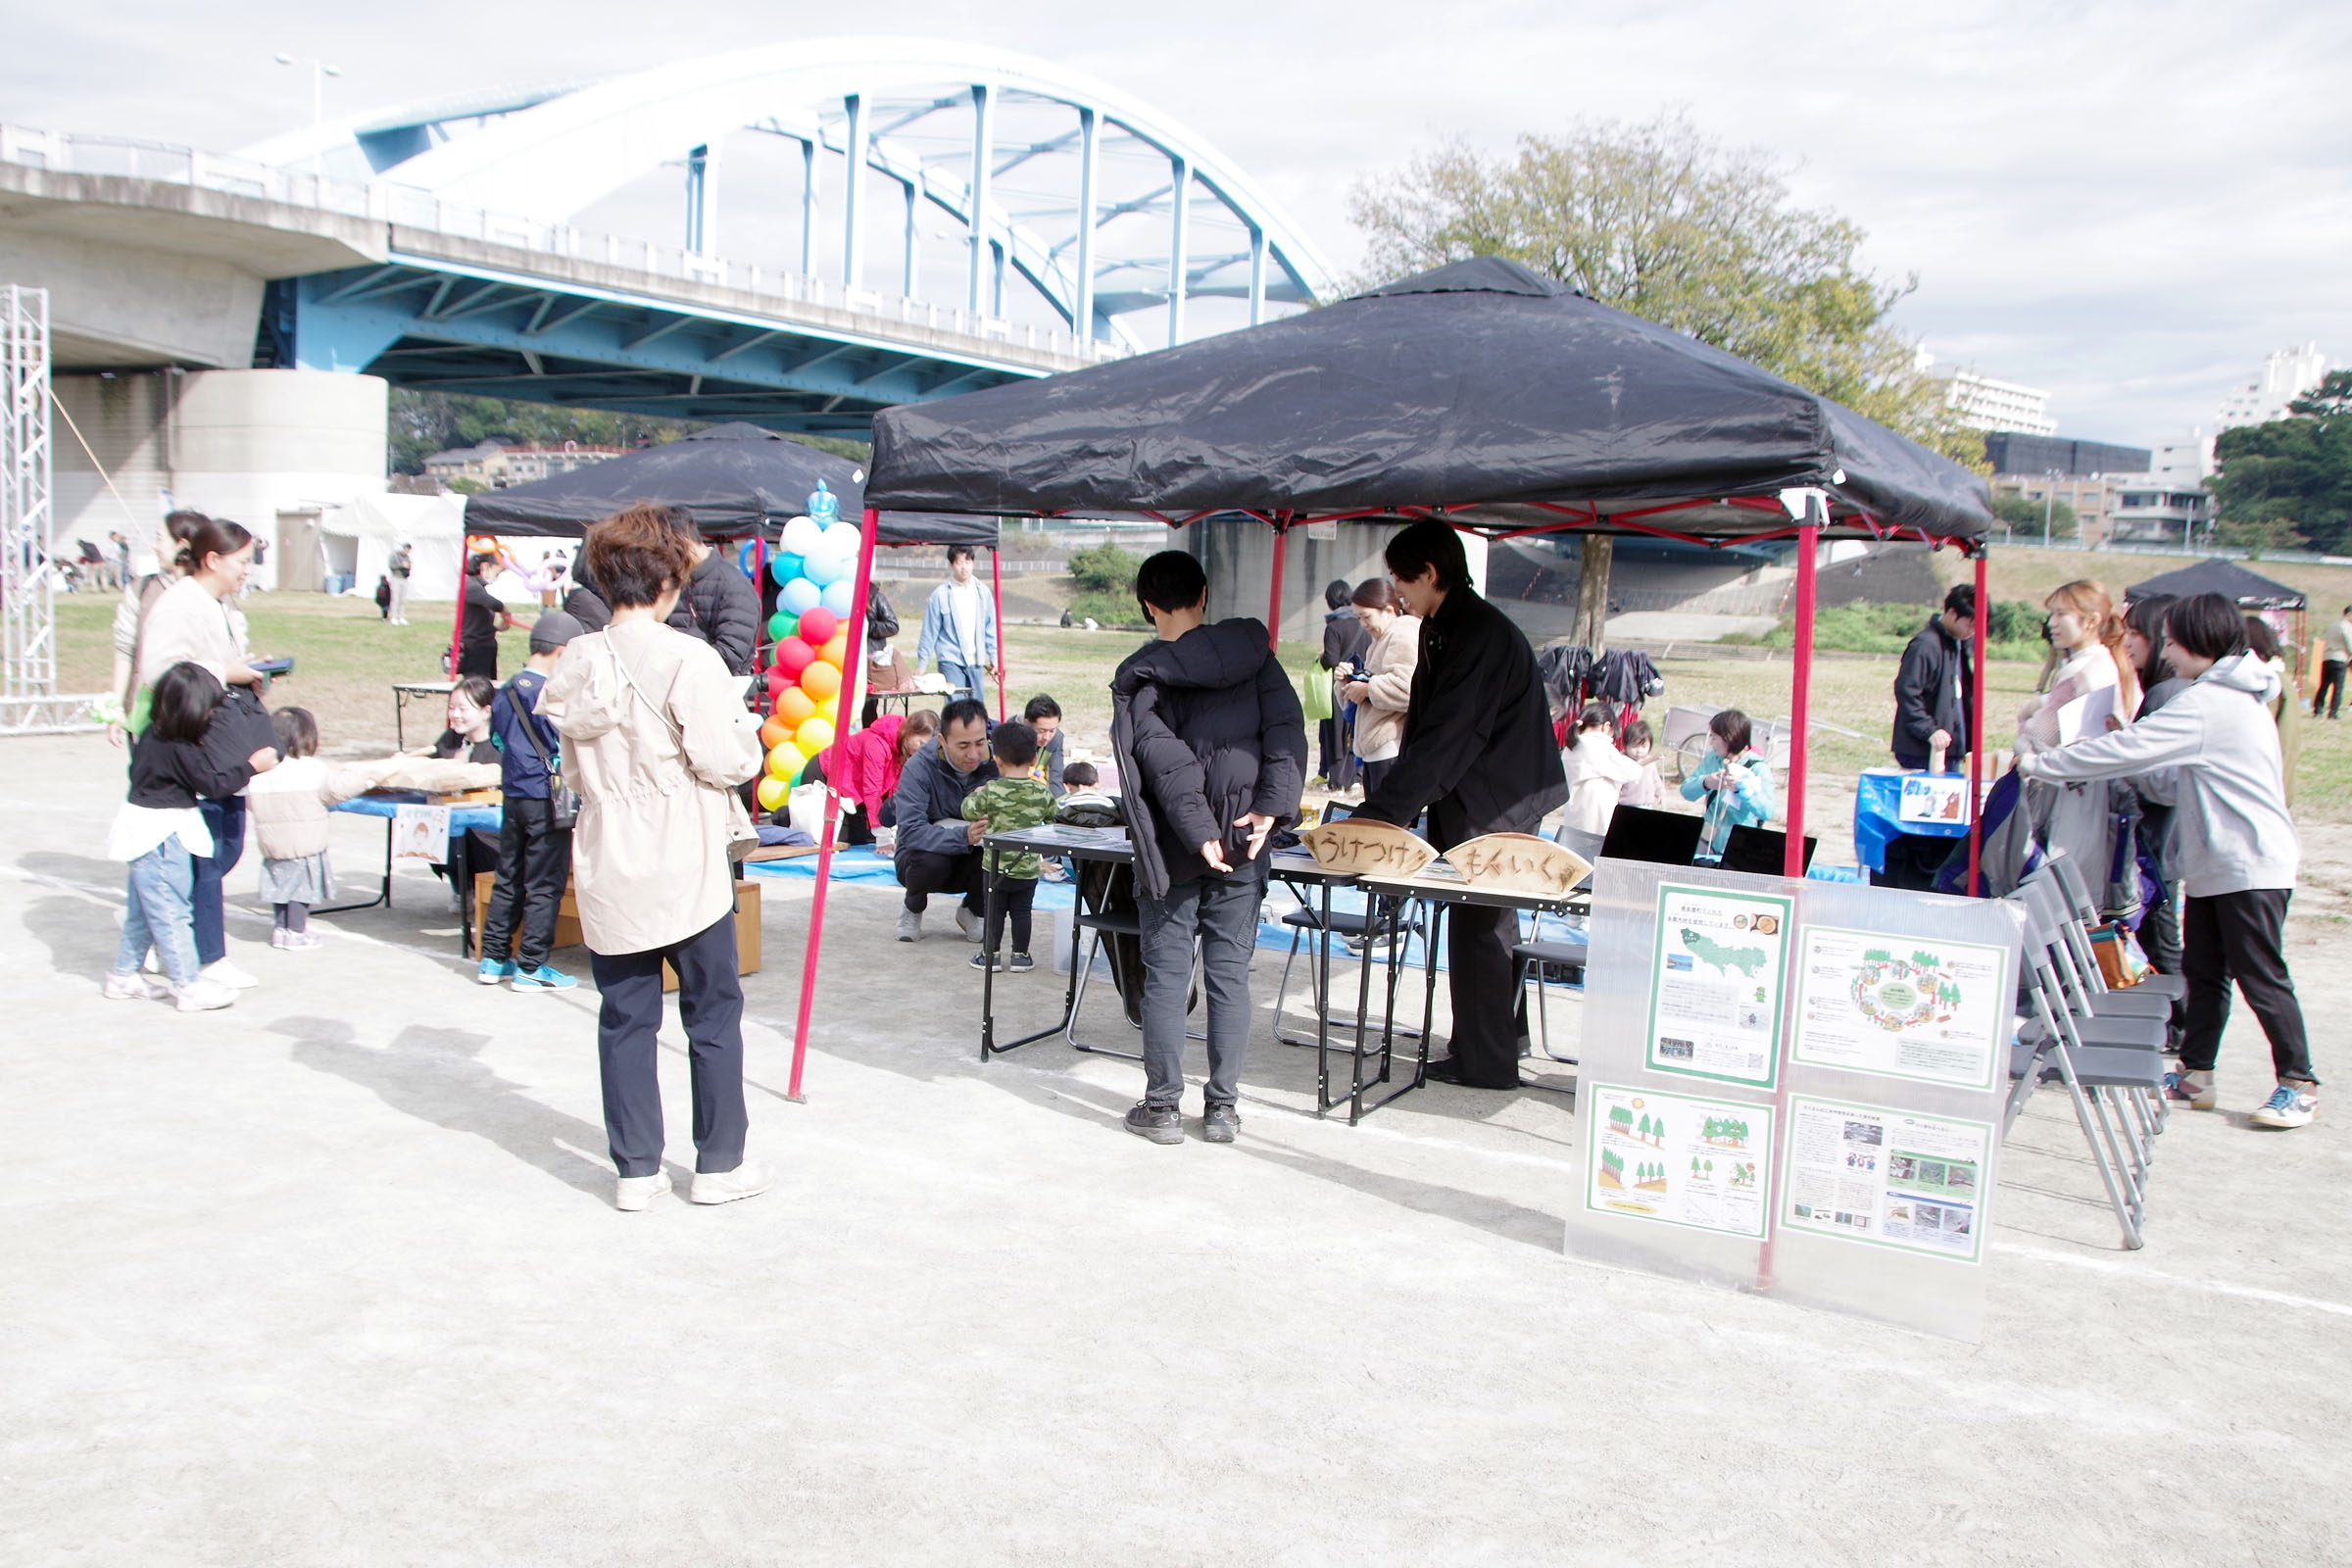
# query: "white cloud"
2129 204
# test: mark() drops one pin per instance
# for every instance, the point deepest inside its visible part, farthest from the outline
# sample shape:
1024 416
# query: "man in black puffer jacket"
1211 747
720 605
1479 756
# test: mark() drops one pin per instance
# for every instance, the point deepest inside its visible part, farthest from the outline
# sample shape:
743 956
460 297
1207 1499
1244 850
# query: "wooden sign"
1518 863
1365 848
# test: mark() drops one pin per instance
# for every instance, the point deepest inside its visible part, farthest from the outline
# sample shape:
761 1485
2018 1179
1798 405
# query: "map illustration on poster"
1697 1162
1900 1006
1717 977
1886 1178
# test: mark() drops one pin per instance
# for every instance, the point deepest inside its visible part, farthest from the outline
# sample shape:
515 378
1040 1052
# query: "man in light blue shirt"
960 626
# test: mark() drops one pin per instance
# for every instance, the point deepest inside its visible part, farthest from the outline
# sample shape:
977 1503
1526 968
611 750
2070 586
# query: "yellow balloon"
820 680
814 736
785 763
834 651
795 708
829 709
773 793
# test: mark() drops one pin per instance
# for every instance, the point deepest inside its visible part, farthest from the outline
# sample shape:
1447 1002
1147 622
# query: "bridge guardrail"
418 209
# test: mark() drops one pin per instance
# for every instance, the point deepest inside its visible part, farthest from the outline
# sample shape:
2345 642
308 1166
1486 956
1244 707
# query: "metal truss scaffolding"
29 703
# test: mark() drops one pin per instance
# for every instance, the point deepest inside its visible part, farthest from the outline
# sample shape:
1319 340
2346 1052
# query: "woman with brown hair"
2087 636
655 739
1387 689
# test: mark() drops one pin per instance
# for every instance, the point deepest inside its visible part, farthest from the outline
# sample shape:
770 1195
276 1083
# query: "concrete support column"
1082 306
853 202
983 162
1179 244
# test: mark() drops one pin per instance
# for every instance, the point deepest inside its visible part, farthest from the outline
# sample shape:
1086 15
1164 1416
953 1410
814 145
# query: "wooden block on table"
567 912
747 935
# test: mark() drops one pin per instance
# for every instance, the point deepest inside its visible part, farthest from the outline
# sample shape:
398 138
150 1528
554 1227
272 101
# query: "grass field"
346 659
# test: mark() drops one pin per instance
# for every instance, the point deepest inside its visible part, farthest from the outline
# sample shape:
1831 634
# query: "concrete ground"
333 1277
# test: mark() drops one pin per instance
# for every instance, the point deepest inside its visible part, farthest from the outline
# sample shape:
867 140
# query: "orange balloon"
785 763
795 709
773 793
775 732
834 651
820 680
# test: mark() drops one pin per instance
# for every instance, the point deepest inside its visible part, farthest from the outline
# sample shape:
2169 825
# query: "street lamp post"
319 71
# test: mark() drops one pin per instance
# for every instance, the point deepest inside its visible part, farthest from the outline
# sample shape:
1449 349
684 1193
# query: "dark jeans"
225 821
2235 936
711 1008
1221 914
922 873
2330 688
534 862
1014 896
1490 1013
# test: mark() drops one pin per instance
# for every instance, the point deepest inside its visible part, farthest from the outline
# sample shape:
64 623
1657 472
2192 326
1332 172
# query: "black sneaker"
1162 1124
979 960
1022 961
1221 1124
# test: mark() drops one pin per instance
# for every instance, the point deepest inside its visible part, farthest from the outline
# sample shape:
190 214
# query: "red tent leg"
457 622
759 643
996 588
1282 542
1800 695
852 690
1975 734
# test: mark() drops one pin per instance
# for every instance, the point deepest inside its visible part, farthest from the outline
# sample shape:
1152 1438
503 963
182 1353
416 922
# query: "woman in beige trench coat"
656 737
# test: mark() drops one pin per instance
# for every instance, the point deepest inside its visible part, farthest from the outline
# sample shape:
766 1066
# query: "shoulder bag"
563 806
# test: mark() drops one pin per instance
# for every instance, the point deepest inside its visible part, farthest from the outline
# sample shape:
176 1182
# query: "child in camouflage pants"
1016 797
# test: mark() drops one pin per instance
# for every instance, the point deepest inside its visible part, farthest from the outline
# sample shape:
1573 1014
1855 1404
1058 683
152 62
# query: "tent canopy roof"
2248 589
733 478
1479 391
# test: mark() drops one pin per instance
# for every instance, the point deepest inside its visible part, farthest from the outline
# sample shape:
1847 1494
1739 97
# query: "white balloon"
802 536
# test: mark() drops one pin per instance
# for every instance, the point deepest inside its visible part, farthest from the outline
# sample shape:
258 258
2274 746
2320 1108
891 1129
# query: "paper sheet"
1901 1006
2086 715
1716 981
1886 1178
1699 1162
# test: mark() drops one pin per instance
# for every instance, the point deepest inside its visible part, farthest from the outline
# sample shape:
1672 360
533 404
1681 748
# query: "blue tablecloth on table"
461 818
1877 818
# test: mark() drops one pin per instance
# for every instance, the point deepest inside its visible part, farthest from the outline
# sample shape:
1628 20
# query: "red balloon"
817 626
794 656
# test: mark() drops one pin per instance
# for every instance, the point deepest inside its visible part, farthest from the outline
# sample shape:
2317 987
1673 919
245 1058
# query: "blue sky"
2129 204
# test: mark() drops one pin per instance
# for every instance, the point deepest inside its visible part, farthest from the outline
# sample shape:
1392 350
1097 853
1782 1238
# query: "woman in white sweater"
1598 773
1387 689
2212 754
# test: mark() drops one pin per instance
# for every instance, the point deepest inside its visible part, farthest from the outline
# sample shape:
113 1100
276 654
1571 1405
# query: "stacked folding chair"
2106 1048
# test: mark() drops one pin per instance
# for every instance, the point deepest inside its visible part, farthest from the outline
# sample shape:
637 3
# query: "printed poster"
1716 982
1684 1161
1933 800
421 833
1901 1006
1886 1178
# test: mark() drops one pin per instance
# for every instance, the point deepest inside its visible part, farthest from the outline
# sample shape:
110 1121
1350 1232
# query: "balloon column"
815 569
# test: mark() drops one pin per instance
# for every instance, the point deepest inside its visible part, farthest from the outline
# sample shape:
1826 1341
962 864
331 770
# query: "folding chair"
2085 910
1533 958
1367 926
2076 966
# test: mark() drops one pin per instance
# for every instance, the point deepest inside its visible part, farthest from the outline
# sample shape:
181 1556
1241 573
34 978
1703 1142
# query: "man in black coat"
719 606
1211 747
1934 687
1345 642
938 851
1479 757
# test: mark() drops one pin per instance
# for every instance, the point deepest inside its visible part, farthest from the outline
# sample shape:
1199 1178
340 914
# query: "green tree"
2254 535
422 423
1671 224
2025 517
1104 568
2290 477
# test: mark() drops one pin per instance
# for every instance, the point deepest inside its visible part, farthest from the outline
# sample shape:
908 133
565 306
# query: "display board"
1794 1086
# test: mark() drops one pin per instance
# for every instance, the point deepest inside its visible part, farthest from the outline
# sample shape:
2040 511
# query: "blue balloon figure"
824 507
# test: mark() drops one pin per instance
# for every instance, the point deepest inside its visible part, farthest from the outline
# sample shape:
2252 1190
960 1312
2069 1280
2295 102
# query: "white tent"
359 539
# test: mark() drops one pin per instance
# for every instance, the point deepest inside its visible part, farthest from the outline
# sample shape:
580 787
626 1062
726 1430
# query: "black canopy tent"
737 479
2284 607
1479 393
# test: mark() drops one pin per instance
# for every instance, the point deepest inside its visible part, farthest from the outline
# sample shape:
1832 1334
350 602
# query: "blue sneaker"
547 977
492 971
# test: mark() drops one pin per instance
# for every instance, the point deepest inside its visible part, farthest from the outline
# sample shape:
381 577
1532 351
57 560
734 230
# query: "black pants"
711 1008
534 862
1490 1013
923 872
225 820
2237 936
1913 860
1374 772
1015 895
478 658
2331 689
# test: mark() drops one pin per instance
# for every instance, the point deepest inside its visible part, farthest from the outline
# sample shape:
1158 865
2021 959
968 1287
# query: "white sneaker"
301 941
121 987
203 996
2288 1106
151 965
222 972
910 925
747 1180
974 928
631 1194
